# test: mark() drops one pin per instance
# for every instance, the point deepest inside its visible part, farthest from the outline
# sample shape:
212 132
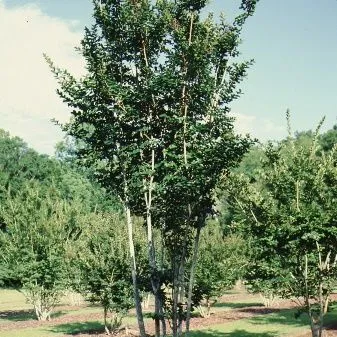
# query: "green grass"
55 331
236 305
32 332
278 324
13 308
74 328
241 302
12 300
271 325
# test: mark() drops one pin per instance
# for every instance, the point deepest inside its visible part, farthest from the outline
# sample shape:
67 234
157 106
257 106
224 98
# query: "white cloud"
261 128
28 100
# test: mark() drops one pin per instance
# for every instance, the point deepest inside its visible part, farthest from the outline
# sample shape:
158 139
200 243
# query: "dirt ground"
196 323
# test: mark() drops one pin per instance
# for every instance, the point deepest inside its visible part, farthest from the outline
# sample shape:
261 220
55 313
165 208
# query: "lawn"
17 319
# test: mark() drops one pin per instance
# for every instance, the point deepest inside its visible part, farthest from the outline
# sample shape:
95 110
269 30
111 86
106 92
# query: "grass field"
17 320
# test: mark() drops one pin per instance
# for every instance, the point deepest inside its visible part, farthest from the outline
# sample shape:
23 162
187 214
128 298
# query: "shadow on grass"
286 317
148 314
235 333
25 315
79 328
18 315
239 305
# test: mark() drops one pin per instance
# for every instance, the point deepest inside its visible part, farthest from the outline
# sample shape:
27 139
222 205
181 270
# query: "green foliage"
124 110
289 214
43 202
19 164
102 268
80 182
221 263
251 162
329 139
40 226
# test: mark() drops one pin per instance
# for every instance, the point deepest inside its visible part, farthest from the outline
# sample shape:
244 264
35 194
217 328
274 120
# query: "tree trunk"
106 327
208 302
138 304
316 329
175 293
191 281
42 310
42 314
155 281
326 305
146 301
321 302
181 298
157 315
316 320
179 288
201 311
161 296
162 318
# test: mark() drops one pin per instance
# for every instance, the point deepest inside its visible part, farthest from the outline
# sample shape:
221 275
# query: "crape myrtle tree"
289 213
100 266
221 263
152 115
39 229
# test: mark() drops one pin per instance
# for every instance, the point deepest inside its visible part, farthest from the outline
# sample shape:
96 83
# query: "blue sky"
293 42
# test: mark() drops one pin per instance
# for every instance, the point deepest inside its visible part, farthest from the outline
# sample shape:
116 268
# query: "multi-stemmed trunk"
316 327
324 266
178 289
42 314
113 323
136 295
43 301
192 276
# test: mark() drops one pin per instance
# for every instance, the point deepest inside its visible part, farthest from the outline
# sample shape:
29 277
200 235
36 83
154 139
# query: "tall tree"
152 115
